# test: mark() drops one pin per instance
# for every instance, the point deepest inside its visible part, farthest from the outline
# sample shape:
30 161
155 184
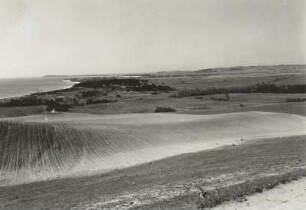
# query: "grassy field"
146 103
113 99
21 111
133 102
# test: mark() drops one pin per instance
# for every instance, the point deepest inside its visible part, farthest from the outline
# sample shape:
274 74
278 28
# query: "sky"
40 37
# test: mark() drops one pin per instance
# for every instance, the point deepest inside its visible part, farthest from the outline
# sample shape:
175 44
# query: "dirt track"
286 196
47 146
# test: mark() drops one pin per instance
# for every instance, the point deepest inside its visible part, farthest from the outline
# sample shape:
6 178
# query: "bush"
99 101
164 109
59 107
90 93
295 99
226 98
150 87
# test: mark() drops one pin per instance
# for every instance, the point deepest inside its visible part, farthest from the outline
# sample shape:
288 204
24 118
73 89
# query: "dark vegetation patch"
130 84
99 101
295 99
23 101
259 88
34 101
107 82
164 109
56 106
89 93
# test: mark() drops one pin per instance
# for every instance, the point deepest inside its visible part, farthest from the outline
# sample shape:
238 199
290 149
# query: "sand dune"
46 146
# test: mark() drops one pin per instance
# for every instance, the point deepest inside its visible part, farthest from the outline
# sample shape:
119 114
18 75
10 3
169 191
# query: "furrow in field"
46 146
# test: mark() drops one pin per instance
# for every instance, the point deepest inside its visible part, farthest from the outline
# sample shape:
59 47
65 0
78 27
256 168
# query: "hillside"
46 146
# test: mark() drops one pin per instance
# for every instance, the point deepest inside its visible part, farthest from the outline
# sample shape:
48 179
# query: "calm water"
18 87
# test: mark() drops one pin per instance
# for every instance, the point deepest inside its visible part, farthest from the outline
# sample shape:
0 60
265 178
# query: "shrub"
99 101
225 98
90 93
150 87
295 99
164 109
59 107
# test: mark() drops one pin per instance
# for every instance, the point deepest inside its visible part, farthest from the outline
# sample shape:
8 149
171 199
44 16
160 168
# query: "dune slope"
46 146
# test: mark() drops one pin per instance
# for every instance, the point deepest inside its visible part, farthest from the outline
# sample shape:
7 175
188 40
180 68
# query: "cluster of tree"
89 93
34 101
259 88
129 84
271 88
108 82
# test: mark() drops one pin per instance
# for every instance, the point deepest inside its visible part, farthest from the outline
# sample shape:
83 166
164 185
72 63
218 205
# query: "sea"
15 87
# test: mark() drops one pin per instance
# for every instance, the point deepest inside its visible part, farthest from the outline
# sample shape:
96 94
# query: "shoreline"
71 84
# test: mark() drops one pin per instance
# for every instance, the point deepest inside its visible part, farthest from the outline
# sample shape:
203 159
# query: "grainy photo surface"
153 104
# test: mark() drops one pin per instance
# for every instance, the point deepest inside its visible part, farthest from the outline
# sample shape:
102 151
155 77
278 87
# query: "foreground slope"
171 183
47 146
285 196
